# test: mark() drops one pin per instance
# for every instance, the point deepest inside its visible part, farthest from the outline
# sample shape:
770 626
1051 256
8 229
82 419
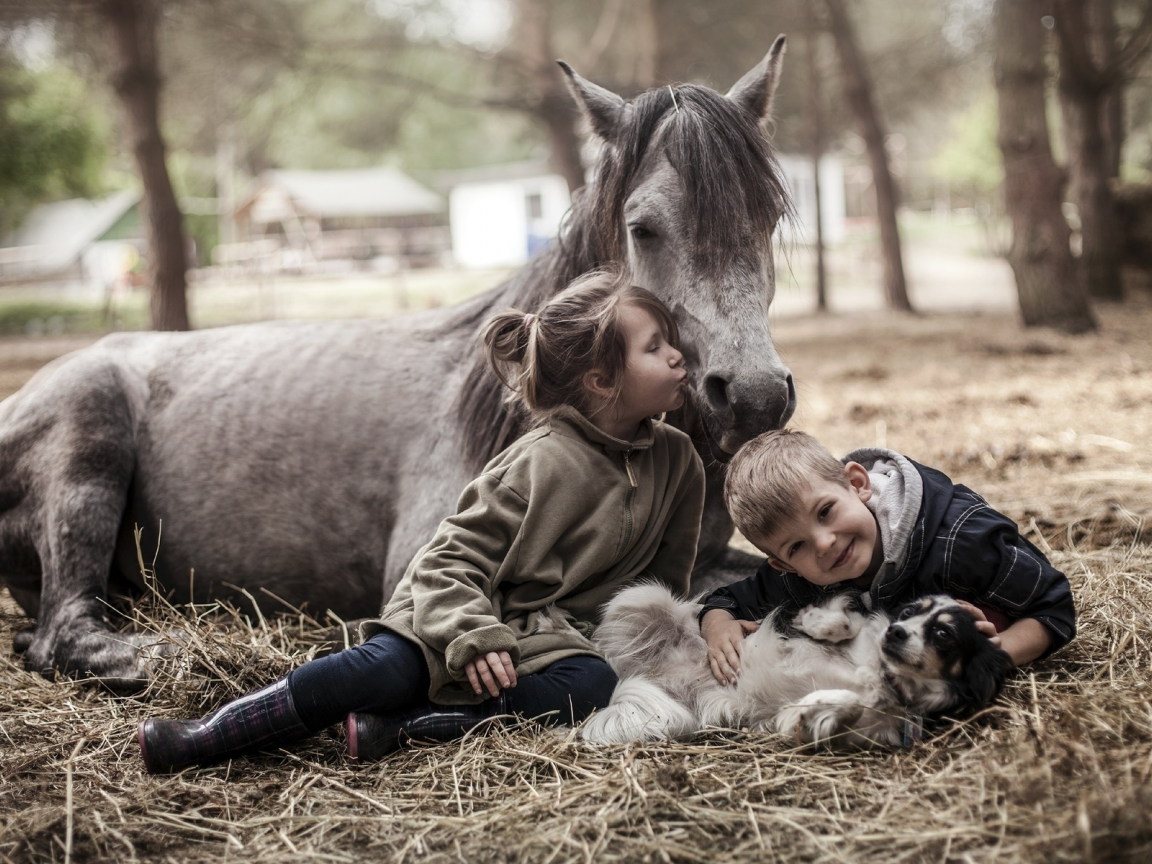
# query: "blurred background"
177 163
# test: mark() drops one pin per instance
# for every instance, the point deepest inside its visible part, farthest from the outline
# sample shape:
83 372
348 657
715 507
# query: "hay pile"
1059 769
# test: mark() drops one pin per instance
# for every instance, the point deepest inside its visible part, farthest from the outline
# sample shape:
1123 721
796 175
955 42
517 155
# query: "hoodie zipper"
628 498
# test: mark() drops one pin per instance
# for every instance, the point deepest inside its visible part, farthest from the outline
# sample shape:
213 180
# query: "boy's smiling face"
834 537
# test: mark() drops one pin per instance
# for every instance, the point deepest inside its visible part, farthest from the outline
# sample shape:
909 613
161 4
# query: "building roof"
335 194
54 235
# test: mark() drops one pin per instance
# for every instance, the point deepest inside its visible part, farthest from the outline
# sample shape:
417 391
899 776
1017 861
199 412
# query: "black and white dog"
832 673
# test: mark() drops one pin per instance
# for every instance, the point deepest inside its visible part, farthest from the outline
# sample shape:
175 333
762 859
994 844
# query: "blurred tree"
131 27
858 93
134 26
1040 255
52 144
817 145
546 96
970 161
972 167
1093 71
520 74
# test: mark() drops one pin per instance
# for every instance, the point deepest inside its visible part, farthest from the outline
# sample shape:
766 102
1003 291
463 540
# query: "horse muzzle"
734 410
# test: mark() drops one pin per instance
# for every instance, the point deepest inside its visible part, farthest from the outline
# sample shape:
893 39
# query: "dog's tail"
641 625
640 711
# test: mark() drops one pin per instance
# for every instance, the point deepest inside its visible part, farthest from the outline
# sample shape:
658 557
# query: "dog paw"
827 623
821 716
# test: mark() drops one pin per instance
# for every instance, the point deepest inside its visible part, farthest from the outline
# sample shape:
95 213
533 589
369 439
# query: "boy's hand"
495 669
982 623
725 637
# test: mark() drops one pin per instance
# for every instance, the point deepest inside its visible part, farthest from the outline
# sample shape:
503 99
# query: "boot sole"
353 739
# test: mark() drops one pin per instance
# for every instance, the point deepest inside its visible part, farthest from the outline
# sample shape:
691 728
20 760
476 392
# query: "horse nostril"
716 392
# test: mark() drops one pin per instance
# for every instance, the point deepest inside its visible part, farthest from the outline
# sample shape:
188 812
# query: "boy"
882 524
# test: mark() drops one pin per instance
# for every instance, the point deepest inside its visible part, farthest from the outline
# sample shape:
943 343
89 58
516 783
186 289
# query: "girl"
493 616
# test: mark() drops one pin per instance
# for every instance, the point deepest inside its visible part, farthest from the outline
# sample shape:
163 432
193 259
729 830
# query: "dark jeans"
388 674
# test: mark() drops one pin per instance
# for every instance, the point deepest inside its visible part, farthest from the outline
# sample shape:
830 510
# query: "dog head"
934 656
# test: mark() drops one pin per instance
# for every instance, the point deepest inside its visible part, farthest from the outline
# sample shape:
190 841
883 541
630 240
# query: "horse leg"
72 516
72 635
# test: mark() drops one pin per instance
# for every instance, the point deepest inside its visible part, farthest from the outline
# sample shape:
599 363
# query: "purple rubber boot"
261 720
373 736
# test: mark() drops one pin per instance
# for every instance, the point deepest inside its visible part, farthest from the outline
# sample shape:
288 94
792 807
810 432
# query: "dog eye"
907 612
942 634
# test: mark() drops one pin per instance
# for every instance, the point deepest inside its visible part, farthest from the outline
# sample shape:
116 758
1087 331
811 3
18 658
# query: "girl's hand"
725 637
495 669
982 623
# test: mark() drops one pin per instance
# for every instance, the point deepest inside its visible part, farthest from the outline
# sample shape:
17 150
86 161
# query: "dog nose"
896 633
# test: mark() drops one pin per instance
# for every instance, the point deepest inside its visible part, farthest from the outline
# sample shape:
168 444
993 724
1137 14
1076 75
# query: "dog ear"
984 675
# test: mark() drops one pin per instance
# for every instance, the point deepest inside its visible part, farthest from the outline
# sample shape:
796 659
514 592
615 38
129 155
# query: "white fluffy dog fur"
831 673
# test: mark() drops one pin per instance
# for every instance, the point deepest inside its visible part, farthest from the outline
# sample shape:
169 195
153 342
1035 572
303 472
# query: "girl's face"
654 378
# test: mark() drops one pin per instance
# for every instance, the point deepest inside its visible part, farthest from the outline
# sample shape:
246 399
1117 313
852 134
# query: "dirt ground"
1053 430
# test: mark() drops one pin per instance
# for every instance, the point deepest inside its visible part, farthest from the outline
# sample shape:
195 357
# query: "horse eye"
641 232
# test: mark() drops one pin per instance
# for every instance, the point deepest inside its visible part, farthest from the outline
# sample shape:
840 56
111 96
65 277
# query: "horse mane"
729 174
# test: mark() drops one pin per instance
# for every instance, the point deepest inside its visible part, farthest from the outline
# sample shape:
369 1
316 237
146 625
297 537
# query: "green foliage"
204 231
34 317
52 147
970 162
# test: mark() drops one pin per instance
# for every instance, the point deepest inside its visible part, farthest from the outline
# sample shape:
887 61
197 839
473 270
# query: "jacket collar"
569 422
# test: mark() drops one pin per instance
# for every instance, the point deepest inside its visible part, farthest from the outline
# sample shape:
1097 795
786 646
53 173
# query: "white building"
501 216
330 221
798 170
82 246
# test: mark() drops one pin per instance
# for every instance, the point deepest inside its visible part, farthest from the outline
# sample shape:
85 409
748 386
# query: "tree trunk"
858 94
1050 294
816 142
134 24
1086 94
1102 22
646 43
553 105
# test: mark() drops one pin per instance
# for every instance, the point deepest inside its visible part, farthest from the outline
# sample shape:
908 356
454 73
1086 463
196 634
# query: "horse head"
687 192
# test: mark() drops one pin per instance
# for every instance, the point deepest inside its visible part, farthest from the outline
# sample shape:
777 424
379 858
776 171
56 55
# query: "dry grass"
1059 769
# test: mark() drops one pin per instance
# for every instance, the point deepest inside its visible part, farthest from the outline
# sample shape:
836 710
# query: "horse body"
296 484
314 459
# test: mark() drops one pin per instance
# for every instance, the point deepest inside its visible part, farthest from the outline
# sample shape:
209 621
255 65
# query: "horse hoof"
120 663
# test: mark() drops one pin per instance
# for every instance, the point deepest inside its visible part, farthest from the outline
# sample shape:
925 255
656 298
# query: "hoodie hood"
897 493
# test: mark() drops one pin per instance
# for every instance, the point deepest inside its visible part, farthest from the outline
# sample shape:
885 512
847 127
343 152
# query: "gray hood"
897 490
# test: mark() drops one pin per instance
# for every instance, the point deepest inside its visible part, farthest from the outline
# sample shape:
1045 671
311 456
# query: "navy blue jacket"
959 546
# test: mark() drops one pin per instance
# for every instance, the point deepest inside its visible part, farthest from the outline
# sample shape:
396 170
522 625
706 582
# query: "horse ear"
754 91
603 108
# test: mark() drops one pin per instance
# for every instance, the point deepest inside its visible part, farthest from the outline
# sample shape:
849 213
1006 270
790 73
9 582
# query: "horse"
311 460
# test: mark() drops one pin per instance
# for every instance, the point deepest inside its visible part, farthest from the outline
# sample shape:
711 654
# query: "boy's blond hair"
767 476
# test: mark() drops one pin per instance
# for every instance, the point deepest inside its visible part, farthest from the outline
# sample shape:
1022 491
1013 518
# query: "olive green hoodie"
564 518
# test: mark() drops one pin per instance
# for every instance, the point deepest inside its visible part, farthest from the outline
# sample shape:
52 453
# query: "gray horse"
314 459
